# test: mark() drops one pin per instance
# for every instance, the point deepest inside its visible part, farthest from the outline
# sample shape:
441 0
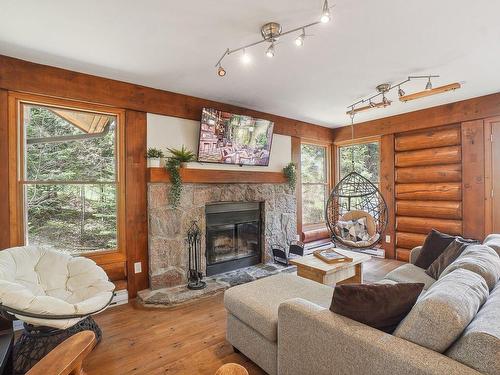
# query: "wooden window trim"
15 161
329 179
488 174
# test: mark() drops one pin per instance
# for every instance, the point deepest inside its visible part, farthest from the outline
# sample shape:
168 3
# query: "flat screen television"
229 138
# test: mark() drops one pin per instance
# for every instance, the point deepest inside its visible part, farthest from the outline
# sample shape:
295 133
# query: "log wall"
428 179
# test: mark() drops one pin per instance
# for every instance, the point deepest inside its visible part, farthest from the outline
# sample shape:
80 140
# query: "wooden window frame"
16 201
488 174
329 180
352 142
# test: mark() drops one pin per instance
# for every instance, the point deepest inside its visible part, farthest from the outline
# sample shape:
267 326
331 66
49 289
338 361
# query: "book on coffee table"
331 256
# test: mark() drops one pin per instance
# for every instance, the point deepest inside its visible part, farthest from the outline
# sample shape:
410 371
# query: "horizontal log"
210 176
425 225
403 255
430 156
435 173
431 209
448 191
316 234
430 138
409 240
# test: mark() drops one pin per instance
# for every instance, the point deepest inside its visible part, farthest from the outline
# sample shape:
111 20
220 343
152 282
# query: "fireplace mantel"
218 176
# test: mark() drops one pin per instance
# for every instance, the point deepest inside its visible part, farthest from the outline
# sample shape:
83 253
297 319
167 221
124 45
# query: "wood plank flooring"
185 340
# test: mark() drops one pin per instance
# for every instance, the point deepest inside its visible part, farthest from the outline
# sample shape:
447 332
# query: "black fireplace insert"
233 236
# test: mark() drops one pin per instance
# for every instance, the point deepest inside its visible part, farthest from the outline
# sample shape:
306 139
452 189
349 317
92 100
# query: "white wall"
172 132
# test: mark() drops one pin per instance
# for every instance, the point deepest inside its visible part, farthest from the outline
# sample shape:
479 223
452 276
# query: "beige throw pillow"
440 316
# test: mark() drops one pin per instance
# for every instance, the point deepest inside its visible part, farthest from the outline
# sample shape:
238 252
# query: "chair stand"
36 342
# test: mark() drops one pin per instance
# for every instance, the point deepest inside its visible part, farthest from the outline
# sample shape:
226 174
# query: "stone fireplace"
274 204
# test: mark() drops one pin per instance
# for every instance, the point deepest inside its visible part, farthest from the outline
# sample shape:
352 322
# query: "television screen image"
234 139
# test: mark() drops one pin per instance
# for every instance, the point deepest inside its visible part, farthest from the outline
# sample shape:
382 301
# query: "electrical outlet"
137 267
387 239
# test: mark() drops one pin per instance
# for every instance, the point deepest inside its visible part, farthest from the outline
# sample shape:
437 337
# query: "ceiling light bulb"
221 72
299 41
245 57
400 92
385 101
372 104
326 16
429 85
270 51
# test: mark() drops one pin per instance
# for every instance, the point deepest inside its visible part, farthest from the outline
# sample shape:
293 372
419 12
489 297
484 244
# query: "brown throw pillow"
381 306
434 245
447 257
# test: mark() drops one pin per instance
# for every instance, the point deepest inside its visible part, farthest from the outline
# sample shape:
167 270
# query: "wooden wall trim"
4 171
136 208
25 76
387 191
457 112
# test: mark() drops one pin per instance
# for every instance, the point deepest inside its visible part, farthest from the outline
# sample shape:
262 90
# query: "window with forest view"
366 158
314 174
69 178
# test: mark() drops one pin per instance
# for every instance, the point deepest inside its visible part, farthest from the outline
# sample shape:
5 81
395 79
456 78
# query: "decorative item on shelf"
173 165
271 32
331 256
290 172
384 88
195 277
154 157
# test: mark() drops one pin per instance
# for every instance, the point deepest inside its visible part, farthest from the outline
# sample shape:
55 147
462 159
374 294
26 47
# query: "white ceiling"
173 45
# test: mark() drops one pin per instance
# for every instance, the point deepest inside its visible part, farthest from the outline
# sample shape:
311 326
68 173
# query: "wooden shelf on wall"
217 176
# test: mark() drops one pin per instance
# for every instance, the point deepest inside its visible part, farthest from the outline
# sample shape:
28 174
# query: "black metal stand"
194 243
36 342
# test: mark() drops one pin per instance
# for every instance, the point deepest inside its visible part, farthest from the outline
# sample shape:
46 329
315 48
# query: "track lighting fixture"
428 86
270 50
385 88
221 72
299 41
326 16
271 32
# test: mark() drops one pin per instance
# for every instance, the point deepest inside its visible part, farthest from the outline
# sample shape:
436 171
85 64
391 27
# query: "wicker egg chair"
352 199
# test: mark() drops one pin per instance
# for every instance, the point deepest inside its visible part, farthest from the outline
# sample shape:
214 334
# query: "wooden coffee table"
315 269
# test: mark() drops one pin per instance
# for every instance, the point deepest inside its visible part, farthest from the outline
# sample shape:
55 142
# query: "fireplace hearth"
233 236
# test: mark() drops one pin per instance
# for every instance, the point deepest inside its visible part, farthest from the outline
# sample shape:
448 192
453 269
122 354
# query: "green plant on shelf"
154 153
173 165
183 155
290 172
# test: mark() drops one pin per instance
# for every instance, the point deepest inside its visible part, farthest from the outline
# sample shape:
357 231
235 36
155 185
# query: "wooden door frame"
16 210
488 174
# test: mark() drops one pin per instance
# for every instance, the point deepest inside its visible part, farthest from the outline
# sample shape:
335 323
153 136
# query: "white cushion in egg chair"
54 294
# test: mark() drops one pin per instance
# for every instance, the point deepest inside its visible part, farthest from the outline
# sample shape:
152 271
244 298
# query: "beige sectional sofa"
284 325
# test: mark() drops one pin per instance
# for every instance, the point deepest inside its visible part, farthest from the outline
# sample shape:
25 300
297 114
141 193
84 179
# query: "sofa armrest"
314 340
414 254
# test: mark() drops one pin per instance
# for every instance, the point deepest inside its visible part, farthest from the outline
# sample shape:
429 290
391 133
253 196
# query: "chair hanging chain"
352 139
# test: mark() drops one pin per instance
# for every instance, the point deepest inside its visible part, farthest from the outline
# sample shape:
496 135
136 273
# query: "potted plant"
176 160
154 156
290 172
182 155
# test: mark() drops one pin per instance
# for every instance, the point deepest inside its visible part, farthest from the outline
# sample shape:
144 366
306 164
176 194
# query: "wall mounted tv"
228 138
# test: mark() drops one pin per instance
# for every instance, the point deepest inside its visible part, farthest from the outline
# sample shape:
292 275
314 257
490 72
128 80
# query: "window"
366 160
69 185
315 186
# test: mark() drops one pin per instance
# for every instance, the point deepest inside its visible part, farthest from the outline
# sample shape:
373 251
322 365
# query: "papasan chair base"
36 342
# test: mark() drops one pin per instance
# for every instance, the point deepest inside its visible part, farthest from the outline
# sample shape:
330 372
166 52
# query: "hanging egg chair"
356 213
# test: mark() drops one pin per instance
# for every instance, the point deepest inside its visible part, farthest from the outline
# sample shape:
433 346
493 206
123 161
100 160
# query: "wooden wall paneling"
430 209
433 173
136 195
296 151
473 168
447 191
430 156
387 191
408 240
403 254
25 76
424 225
452 113
431 138
4 171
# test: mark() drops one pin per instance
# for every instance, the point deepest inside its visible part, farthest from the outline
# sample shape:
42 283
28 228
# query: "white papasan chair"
54 294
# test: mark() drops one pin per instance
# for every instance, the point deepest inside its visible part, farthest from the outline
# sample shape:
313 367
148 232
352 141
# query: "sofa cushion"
480 259
440 316
256 303
493 241
448 256
479 345
409 273
379 306
433 246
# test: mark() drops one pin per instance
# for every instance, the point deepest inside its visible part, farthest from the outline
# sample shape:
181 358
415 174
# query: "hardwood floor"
189 339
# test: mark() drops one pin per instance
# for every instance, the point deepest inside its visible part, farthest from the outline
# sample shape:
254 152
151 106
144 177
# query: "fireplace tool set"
194 243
